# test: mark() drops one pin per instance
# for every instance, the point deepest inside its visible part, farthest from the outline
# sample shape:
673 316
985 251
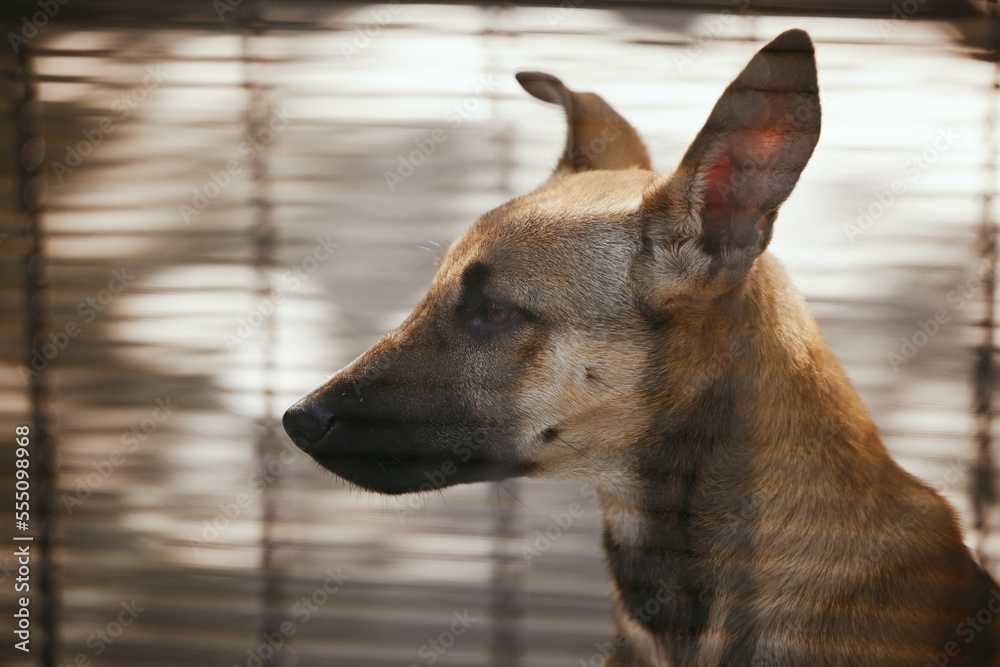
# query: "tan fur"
630 329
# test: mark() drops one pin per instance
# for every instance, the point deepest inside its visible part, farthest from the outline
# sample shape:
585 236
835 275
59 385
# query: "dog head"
564 323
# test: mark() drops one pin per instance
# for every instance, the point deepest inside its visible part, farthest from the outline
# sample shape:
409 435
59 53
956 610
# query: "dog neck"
683 544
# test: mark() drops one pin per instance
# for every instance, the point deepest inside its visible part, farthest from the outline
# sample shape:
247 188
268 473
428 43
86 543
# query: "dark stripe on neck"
666 581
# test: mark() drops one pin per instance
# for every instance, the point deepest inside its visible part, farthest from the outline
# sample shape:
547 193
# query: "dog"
630 329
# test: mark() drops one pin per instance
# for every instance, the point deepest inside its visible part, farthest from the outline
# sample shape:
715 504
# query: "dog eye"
499 314
492 315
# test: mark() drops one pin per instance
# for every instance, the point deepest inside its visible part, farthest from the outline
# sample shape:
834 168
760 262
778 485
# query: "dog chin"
391 459
401 477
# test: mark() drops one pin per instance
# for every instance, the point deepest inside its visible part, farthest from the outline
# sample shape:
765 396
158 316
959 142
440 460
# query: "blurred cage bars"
41 428
984 491
141 535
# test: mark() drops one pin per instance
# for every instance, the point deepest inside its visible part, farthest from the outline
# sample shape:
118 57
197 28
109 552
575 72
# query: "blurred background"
209 207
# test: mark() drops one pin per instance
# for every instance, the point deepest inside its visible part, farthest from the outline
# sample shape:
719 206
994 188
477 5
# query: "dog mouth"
395 457
397 477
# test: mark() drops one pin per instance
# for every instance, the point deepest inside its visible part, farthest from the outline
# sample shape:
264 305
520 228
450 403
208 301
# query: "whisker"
501 485
503 519
580 452
605 384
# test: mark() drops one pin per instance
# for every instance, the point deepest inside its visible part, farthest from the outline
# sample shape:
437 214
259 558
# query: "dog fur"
630 329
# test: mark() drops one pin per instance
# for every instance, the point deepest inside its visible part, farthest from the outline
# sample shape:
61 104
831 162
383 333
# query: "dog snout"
306 423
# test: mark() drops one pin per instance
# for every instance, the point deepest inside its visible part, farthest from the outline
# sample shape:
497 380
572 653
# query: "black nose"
307 424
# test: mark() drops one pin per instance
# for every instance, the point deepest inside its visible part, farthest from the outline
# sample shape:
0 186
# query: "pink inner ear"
730 198
719 182
754 150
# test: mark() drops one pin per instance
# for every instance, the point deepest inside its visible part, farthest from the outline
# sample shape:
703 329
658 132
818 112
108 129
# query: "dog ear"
597 137
743 164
